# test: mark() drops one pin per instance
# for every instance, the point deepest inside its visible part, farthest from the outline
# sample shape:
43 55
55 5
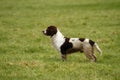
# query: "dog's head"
50 31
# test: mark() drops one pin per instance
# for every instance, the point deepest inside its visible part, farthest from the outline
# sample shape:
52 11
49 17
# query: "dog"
67 45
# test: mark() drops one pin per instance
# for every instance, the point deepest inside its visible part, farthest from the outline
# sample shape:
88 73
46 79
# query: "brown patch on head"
51 30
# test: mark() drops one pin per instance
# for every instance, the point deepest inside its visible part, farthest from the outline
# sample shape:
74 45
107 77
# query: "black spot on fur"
51 30
91 42
81 39
66 46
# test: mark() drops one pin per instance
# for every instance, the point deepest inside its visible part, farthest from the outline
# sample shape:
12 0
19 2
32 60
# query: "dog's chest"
57 42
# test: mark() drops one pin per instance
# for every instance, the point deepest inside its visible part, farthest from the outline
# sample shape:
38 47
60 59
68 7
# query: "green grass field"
26 54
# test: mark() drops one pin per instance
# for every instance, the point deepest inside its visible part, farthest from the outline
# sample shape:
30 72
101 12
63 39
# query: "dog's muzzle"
44 32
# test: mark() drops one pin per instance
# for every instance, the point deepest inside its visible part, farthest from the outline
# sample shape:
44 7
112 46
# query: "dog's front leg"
64 57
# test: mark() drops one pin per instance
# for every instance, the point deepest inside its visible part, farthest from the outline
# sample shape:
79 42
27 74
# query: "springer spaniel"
69 45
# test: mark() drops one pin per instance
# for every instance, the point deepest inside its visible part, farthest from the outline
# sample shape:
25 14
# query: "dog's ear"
51 30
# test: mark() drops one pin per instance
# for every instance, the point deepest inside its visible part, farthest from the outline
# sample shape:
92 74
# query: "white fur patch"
58 40
76 42
86 40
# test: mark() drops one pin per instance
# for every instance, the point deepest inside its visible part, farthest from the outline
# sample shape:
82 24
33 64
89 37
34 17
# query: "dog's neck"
58 35
58 39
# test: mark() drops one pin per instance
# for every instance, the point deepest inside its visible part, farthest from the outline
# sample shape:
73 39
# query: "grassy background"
26 54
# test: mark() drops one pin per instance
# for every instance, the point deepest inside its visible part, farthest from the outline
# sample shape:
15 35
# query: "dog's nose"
44 32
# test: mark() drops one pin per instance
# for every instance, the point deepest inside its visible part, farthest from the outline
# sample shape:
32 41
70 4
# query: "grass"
26 54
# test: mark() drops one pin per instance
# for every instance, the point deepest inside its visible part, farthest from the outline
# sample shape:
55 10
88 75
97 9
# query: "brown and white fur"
69 45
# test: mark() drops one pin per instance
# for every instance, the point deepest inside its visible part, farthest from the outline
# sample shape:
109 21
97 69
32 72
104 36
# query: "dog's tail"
98 49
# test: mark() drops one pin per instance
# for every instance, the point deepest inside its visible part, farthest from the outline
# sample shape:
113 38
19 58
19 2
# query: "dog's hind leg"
92 57
89 52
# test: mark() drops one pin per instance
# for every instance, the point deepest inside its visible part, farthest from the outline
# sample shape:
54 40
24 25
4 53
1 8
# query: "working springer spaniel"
69 45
